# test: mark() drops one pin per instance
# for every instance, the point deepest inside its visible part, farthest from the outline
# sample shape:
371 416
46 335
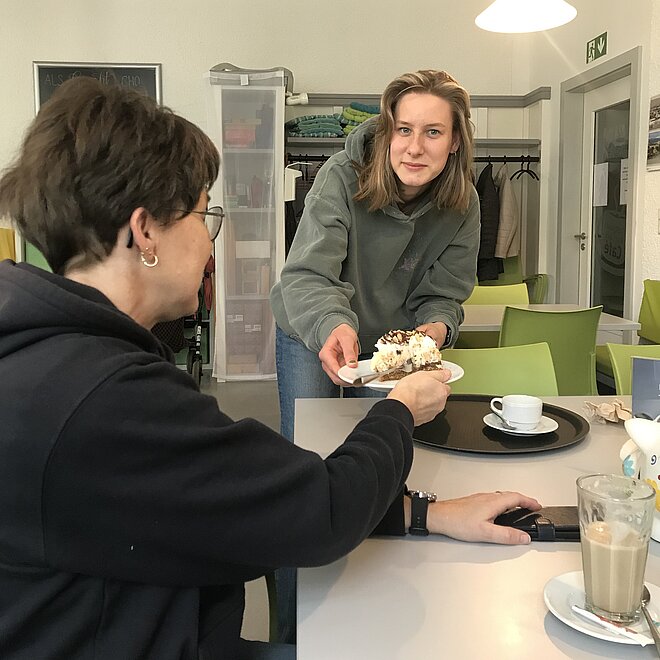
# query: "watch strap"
448 337
419 506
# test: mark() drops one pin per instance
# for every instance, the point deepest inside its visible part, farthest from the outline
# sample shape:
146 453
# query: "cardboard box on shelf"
235 369
246 358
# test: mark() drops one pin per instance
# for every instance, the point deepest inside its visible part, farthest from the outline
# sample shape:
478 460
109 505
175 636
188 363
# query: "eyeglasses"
213 218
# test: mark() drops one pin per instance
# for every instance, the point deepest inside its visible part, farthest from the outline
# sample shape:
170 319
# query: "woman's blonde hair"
377 182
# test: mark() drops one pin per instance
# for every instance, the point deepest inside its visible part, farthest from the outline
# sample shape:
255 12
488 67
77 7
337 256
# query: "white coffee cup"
521 411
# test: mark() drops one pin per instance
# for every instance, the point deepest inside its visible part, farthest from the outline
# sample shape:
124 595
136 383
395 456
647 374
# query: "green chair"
506 294
524 369
35 257
649 333
571 337
649 313
621 356
271 588
537 284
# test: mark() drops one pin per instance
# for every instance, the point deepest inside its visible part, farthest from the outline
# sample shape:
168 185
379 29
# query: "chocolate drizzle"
400 336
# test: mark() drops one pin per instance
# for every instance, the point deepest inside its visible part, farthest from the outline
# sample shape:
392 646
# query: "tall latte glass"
616 515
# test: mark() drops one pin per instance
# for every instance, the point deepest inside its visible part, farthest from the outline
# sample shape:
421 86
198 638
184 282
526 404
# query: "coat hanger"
525 162
529 169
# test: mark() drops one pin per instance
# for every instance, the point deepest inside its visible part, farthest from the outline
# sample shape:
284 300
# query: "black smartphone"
552 523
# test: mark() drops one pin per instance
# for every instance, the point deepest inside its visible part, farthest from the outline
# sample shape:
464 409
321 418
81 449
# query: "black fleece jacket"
132 510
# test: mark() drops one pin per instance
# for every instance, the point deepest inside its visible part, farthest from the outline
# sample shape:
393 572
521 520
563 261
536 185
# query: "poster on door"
611 242
653 156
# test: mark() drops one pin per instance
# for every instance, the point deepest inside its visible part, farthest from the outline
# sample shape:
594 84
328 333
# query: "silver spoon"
646 598
505 424
363 380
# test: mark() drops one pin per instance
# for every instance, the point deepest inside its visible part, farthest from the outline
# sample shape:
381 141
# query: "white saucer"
563 591
546 425
364 369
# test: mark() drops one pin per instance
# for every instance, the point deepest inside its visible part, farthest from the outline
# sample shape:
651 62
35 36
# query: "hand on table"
340 348
471 518
437 331
424 393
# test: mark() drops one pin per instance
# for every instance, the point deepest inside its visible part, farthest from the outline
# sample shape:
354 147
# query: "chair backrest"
505 294
649 312
571 337
537 285
524 369
621 356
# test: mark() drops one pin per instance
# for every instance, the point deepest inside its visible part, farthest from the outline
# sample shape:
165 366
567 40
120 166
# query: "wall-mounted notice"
48 76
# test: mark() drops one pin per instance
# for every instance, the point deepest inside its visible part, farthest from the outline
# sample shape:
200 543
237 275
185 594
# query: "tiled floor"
257 399
251 398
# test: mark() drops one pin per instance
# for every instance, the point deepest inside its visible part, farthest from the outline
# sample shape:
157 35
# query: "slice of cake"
396 347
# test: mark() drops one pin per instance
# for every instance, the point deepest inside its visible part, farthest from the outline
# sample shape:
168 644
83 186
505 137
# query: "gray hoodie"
374 271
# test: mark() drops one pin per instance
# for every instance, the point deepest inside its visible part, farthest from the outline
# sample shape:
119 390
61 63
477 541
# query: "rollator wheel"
196 369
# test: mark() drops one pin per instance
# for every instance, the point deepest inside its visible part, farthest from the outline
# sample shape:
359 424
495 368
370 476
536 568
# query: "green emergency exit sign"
597 47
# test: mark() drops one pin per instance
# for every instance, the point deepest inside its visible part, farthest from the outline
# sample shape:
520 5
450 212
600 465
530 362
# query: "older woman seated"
132 509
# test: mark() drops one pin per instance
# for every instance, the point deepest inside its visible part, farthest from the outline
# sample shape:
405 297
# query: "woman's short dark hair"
94 154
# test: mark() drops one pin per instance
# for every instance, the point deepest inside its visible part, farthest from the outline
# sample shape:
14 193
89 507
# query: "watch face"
431 497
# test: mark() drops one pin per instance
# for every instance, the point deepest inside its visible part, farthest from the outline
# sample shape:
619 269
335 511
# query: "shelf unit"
246 119
479 143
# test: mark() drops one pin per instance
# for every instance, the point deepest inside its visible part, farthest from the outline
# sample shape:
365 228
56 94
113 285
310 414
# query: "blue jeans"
300 376
265 651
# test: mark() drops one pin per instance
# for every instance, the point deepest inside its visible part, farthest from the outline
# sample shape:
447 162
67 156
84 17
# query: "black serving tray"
460 427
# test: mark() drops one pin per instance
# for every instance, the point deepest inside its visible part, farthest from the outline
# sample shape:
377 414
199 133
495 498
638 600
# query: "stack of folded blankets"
355 114
315 126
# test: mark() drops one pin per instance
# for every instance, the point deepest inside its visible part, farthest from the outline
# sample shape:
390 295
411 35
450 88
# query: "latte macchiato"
613 560
615 514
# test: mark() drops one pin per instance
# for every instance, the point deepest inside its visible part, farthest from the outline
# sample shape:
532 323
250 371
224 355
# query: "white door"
603 229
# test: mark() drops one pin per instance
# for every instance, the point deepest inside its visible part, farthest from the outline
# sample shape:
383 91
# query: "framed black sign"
48 76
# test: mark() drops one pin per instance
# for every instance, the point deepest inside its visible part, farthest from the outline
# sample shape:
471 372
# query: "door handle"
581 236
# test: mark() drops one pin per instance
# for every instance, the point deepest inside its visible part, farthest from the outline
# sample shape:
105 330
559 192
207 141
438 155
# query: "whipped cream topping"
394 348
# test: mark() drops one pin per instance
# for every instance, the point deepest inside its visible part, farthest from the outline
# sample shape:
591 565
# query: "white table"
489 317
419 598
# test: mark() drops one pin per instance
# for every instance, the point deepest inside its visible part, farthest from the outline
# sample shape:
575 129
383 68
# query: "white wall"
560 54
343 46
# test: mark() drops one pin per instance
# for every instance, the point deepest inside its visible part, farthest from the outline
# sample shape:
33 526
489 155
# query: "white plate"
363 369
546 425
563 591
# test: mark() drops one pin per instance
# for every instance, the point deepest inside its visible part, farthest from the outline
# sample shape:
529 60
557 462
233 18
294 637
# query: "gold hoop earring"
146 263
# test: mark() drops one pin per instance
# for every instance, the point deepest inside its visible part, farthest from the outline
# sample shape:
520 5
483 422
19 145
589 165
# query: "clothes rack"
506 159
477 159
306 157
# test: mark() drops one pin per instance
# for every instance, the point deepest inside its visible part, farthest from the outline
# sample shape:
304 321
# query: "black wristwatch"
419 505
447 337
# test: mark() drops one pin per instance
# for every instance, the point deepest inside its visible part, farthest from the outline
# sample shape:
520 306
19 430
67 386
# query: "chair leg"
272 607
